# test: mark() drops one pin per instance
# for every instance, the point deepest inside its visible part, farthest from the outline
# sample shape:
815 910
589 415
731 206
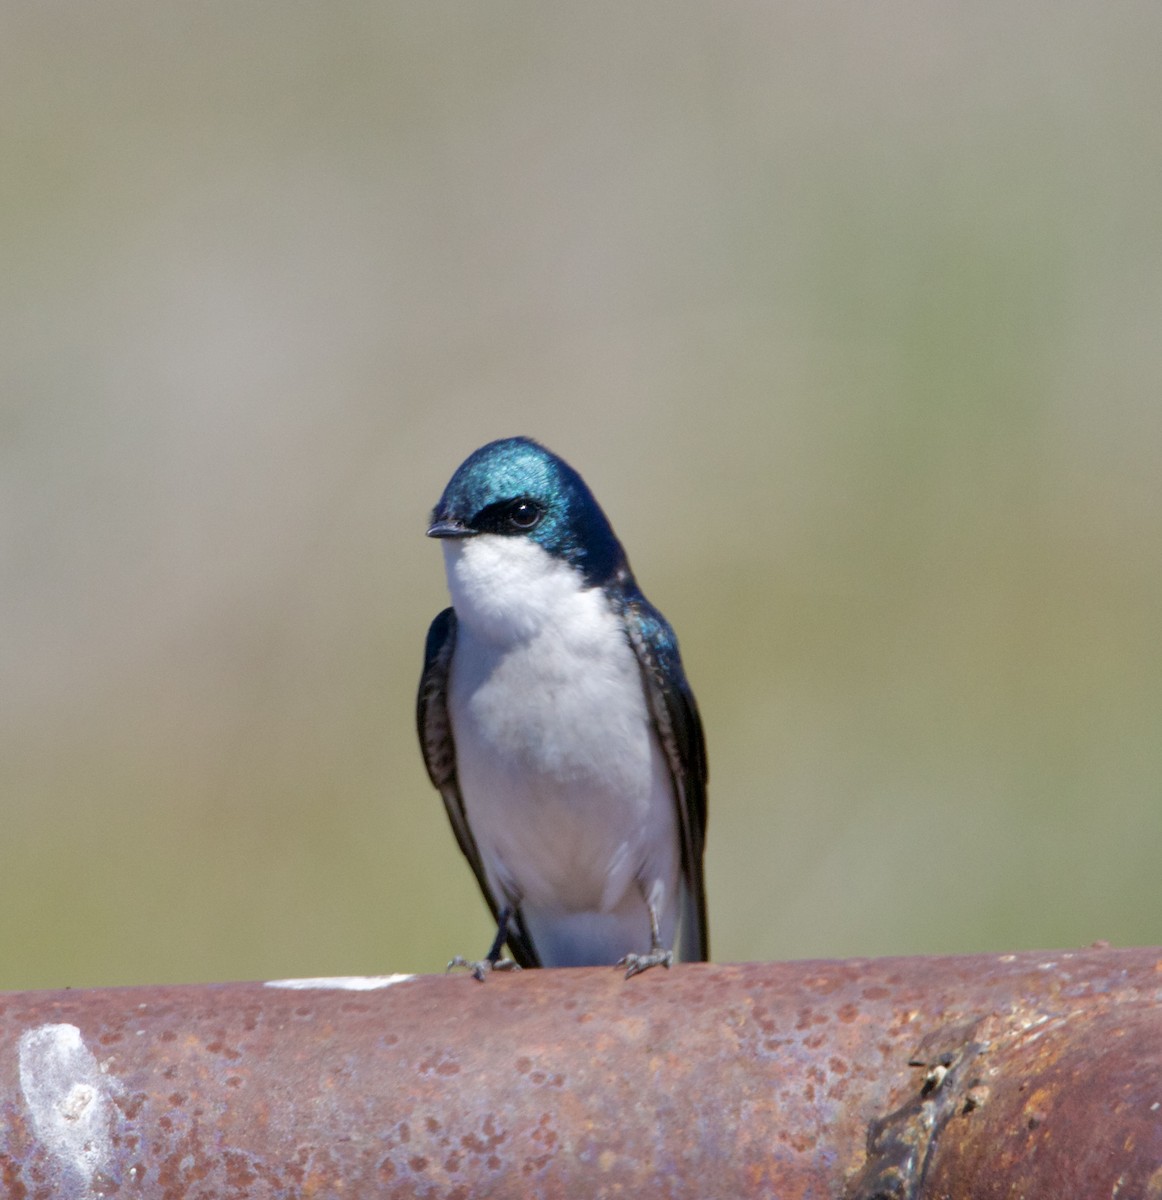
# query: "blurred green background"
850 314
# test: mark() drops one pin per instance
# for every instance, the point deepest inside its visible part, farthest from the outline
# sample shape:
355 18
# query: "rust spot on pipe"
1074 1109
900 1145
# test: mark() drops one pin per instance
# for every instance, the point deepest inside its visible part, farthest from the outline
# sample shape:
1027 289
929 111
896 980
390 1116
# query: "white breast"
564 784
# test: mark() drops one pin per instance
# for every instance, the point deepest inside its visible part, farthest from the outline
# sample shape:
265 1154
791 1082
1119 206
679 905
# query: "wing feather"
679 727
439 750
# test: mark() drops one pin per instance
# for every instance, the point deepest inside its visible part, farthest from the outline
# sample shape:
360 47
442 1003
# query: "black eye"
523 514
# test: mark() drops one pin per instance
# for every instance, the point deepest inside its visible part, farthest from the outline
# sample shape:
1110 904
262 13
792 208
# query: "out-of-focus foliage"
849 314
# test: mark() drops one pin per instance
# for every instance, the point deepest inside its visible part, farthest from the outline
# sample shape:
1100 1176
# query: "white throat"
508 589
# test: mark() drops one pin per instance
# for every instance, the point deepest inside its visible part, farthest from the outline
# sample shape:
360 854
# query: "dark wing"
439 750
679 727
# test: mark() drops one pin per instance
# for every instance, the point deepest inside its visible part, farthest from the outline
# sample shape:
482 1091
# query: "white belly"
564 784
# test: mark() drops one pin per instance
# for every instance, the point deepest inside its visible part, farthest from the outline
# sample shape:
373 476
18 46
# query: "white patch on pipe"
348 983
69 1099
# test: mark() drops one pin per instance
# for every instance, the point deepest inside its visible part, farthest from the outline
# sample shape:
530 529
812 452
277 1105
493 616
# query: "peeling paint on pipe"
920 1077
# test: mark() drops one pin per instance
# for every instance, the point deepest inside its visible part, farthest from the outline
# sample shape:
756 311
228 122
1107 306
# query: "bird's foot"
635 964
481 967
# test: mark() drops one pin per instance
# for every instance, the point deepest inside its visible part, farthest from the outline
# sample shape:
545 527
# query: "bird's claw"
635 964
481 967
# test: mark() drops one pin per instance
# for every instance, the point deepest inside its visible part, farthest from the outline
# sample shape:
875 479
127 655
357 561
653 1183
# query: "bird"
557 723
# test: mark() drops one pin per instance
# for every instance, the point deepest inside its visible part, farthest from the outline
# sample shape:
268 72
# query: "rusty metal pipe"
950 1077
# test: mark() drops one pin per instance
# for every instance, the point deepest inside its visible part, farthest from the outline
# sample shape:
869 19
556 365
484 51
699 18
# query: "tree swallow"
556 721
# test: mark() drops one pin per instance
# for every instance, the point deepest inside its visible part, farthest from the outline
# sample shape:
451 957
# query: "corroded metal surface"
742 1080
1073 1107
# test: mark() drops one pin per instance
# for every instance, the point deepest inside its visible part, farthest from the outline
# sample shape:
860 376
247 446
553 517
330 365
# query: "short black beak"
449 527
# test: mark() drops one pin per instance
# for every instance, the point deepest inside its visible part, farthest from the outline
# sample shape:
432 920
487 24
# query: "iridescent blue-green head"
515 488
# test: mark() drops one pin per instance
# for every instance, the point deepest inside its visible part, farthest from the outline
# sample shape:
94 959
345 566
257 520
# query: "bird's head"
515 488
